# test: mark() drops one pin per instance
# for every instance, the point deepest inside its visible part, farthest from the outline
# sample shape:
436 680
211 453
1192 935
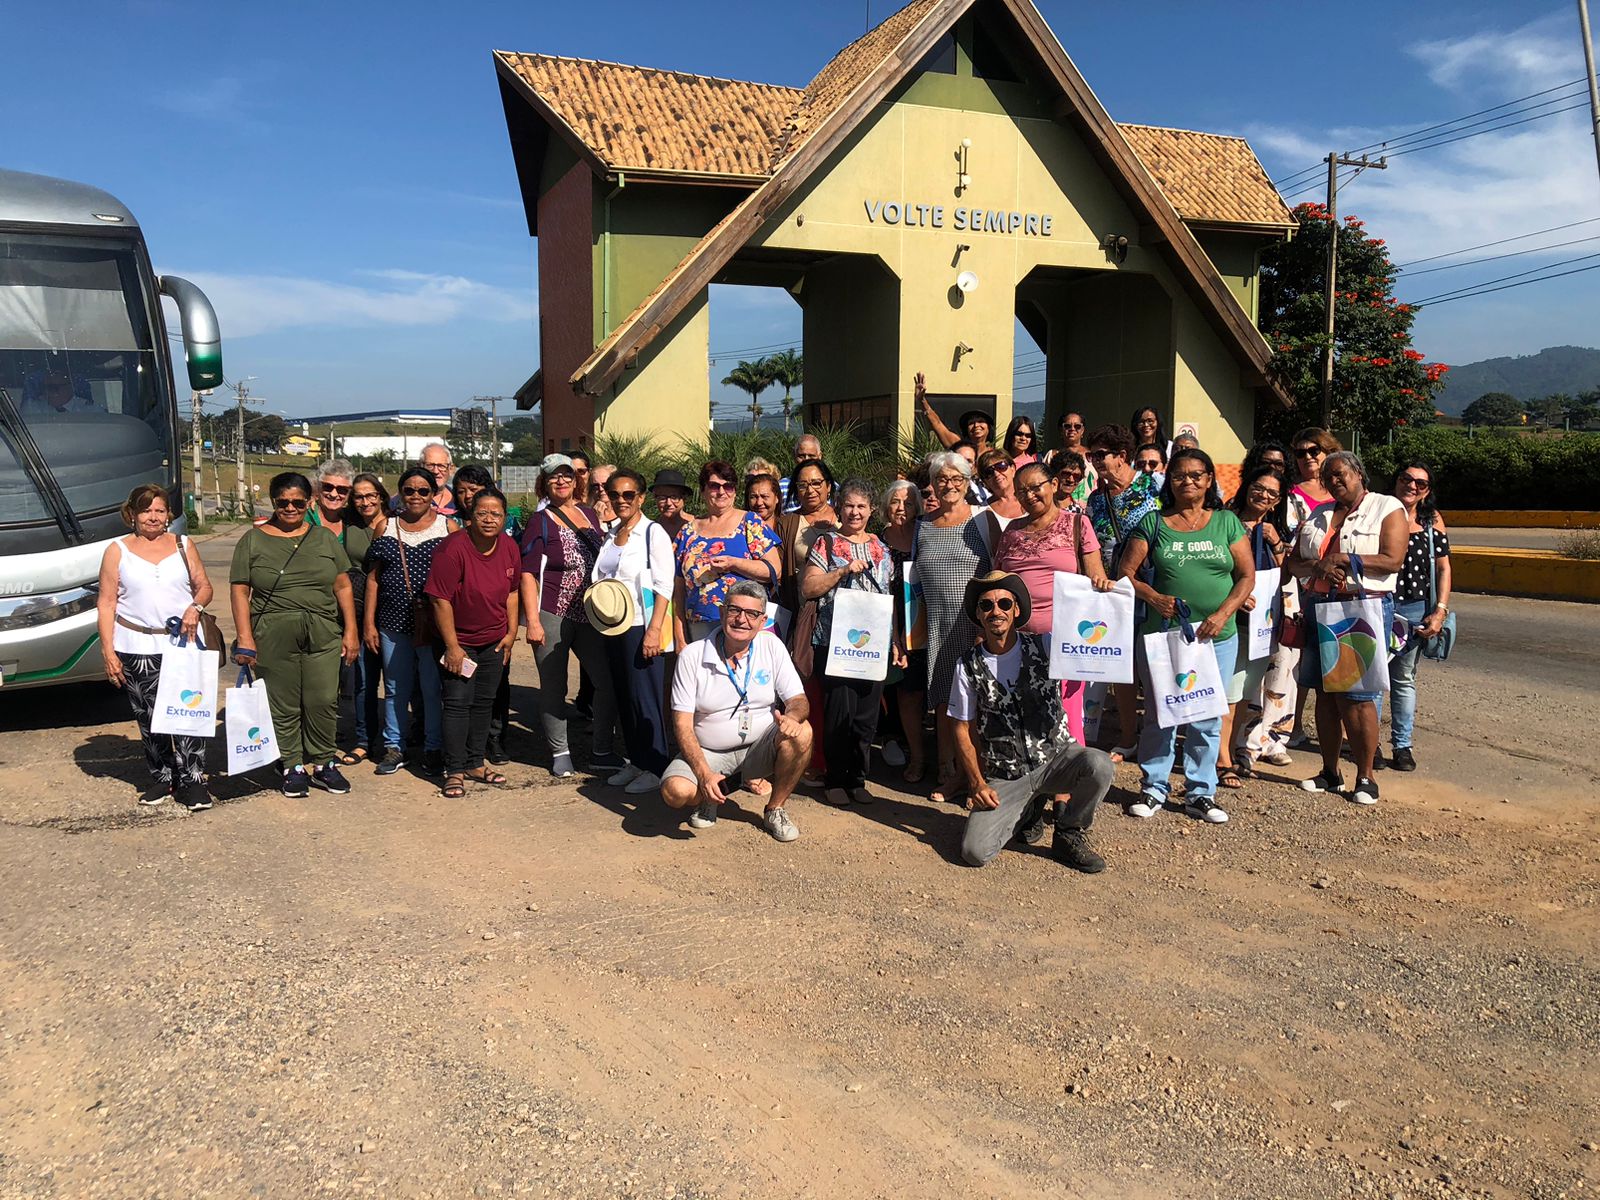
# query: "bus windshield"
79 365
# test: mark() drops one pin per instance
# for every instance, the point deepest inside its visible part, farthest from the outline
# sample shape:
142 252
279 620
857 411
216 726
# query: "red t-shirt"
475 585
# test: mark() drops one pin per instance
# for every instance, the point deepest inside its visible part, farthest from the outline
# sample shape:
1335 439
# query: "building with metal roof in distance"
944 178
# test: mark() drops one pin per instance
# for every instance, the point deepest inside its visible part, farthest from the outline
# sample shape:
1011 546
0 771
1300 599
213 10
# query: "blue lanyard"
744 692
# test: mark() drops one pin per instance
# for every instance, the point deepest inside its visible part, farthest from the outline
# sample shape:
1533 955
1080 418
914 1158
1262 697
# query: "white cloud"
224 100
1480 189
253 304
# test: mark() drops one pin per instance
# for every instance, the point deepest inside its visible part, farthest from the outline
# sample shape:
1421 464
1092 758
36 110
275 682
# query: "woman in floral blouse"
559 548
717 550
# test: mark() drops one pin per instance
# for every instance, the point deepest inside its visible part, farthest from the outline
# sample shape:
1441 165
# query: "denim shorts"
1310 676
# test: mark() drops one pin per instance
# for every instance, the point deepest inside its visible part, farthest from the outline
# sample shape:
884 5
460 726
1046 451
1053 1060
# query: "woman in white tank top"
146 580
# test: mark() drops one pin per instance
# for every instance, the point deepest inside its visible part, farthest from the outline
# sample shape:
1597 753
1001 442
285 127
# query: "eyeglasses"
333 489
809 485
1072 424
1004 604
285 502
1309 451
416 491
363 497
950 481
1149 464
745 616
1190 477
1270 493
437 467
1421 485
1020 434
628 496
1037 489
716 485
1069 474
995 468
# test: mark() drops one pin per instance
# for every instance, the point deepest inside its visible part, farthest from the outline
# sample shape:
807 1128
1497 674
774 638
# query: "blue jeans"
368 706
406 665
1201 740
1403 678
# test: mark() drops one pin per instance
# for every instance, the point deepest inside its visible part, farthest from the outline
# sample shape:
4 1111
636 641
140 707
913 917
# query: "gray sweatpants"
1083 771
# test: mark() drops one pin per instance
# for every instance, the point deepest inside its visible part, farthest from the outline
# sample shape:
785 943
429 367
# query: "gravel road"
558 990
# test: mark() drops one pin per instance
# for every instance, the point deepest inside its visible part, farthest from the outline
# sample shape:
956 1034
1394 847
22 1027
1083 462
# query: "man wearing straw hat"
1011 734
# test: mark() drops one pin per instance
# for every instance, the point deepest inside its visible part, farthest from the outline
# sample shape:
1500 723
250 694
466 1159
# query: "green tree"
1550 410
1494 408
751 377
786 368
1379 380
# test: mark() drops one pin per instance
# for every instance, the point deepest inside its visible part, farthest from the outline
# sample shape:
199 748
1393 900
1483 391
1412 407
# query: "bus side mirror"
202 339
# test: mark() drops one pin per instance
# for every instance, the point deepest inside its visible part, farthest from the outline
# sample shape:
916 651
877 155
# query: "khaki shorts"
755 761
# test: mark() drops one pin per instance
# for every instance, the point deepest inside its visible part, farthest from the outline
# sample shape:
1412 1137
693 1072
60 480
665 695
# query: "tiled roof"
634 118
644 119
1209 177
845 72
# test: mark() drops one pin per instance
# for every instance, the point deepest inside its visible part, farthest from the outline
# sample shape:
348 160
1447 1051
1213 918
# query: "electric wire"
1450 299
1454 293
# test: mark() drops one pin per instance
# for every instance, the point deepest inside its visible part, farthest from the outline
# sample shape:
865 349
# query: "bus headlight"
29 612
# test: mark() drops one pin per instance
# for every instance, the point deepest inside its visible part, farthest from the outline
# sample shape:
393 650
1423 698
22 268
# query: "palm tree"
754 378
787 368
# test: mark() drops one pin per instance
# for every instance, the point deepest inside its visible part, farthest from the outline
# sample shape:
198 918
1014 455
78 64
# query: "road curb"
1535 574
1491 518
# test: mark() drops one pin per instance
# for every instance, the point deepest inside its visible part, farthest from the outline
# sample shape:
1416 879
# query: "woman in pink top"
1047 539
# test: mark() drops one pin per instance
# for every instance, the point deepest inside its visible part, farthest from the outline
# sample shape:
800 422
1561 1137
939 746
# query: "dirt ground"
561 990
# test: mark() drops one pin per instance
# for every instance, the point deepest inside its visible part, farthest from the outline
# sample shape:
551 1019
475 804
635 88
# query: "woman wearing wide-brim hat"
637 559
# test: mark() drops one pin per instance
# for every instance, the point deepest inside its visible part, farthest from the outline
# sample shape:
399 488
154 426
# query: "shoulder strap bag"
804 627
421 606
1438 646
210 630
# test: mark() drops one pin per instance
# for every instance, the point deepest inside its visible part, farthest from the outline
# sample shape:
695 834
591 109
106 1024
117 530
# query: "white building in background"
420 427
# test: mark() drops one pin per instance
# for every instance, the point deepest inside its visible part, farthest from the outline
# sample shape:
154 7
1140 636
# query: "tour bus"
87 410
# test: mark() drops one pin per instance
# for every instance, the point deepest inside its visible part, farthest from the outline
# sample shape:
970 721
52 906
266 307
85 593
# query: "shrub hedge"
1497 470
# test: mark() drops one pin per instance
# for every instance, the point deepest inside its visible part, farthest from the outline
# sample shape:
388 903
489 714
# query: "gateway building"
945 178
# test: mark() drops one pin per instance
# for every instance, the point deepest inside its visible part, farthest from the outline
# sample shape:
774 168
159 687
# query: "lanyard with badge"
743 707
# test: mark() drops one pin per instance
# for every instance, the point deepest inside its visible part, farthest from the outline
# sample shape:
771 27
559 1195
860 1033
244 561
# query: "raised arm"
947 436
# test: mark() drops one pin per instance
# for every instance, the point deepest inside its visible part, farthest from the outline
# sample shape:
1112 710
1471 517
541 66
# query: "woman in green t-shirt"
1198 553
293 608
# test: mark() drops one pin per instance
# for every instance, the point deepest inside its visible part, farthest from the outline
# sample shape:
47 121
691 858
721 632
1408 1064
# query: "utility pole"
1330 283
199 496
1588 62
241 496
494 433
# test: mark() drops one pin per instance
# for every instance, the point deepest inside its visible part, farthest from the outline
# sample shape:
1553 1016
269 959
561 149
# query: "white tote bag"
778 618
186 696
1185 684
859 646
251 740
1091 633
1262 622
1353 645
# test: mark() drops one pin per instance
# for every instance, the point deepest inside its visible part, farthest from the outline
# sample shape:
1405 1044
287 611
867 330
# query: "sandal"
759 787
1228 777
486 777
455 787
351 758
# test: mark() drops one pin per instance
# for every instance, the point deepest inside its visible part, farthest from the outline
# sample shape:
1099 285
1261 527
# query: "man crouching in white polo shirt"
723 696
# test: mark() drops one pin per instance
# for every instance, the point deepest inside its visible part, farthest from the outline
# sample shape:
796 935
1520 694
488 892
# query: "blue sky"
338 176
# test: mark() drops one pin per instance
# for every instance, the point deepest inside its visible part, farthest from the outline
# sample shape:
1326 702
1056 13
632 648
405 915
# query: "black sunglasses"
416 491
285 502
622 495
1004 604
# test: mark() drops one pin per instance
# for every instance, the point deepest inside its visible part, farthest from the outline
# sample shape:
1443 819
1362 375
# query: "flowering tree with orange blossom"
1380 381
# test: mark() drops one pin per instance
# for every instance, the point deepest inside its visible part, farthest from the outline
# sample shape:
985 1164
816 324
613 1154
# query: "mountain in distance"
1570 369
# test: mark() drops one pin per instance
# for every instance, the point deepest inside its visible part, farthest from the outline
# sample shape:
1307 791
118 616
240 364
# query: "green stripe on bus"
53 672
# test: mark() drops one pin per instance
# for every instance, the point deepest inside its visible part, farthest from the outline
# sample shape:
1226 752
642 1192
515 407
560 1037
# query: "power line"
1507 287
1452 125
1473 262
1453 292
1492 129
1501 242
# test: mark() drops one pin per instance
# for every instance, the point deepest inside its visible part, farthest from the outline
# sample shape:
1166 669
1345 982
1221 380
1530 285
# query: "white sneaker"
704 815
1206 809
892 754
779 826
625 776
1146 806
643 782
